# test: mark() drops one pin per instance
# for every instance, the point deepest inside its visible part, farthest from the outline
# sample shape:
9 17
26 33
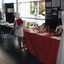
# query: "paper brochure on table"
42 34
32 32
54 37
28 29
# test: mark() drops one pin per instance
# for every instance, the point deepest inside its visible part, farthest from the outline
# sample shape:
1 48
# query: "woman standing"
18 30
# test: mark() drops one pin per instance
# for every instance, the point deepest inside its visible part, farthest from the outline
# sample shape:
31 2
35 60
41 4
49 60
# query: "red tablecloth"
42 47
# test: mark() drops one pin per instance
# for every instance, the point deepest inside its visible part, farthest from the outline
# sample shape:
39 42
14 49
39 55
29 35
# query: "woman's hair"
58 29
17 14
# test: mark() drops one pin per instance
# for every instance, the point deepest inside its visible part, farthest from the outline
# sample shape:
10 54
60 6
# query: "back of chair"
33 24
59 27
47 27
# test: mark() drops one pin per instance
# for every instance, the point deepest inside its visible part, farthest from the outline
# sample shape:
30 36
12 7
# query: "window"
0 4
32 8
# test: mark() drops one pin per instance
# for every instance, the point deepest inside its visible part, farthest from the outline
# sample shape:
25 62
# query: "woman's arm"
17 27
20 26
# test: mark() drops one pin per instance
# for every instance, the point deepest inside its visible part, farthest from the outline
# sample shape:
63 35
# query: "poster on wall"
10 10
48 13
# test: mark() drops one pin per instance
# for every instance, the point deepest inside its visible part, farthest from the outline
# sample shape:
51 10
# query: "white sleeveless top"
19 32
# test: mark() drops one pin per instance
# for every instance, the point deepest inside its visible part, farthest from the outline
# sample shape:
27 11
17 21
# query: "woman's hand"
10 31
15 28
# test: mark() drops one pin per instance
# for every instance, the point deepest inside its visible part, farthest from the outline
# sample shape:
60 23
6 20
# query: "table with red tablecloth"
42 47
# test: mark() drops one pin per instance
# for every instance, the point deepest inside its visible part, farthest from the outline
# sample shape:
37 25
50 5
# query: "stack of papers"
42 34
32 31
54 37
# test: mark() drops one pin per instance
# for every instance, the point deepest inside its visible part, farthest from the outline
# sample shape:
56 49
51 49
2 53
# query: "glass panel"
25 10
41 8
9 1
34 9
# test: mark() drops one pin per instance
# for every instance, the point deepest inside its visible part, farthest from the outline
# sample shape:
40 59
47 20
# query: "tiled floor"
8 54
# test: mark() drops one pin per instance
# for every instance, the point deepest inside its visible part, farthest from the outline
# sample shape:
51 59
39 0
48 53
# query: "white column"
17 4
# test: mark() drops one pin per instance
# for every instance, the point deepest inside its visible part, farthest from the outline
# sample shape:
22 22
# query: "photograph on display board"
48 13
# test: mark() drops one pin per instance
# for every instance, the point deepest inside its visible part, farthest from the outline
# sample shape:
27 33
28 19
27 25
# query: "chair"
33 24
59 27
47 27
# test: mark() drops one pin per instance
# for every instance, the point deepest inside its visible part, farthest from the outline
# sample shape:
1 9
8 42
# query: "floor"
8 54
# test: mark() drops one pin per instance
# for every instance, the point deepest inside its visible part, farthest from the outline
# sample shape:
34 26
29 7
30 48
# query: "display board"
9 12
